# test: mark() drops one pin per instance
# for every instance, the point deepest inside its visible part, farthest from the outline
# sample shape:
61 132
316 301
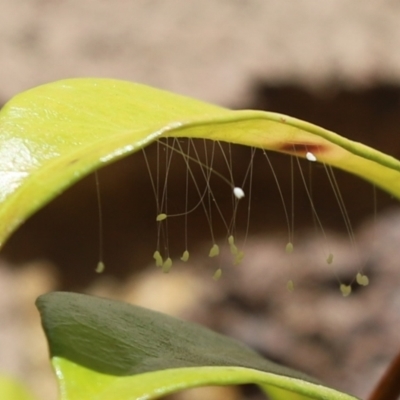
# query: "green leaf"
104 349
53 135
11 389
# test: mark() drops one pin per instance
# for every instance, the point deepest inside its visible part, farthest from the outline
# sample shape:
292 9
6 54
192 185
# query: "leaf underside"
55 134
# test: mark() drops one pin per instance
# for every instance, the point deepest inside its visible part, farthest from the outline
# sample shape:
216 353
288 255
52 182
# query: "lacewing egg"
238 192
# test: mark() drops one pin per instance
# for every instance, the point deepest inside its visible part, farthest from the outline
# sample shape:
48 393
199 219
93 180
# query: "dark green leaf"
105 349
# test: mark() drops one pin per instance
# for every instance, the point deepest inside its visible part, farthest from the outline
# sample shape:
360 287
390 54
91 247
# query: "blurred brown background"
335 63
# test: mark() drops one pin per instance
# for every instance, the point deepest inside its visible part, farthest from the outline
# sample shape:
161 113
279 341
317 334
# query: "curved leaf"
53 135
104 349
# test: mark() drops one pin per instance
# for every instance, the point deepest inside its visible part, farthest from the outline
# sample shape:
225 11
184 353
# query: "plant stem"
388 388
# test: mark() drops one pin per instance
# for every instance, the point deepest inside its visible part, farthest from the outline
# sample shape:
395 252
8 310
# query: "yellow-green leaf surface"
53 135
11 389
106 350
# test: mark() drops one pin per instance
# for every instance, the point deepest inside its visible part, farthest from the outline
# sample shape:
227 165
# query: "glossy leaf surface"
53 135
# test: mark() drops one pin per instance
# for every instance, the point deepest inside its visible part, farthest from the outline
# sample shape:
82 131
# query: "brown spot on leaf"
301 148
